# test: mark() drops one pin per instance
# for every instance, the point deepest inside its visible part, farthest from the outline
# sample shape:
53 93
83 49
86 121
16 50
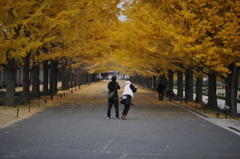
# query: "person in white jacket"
127 95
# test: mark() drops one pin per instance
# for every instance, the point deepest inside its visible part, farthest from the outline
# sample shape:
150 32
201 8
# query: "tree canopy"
156 36
68 29
170 34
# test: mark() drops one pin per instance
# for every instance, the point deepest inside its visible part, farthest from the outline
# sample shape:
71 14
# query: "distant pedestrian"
170 94
160 89
127 96
113 85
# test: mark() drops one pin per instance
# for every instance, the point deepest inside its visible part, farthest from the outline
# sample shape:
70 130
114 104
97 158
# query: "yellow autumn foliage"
182 34
156 36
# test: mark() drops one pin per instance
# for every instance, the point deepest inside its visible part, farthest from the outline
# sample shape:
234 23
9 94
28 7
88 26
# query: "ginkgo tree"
204 39
200 34
39 30
19 21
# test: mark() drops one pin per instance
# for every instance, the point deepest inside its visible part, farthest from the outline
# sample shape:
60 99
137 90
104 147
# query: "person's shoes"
108 117
117 118
124 117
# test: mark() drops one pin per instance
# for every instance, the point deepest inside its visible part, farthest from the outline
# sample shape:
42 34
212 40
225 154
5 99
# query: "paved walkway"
76 128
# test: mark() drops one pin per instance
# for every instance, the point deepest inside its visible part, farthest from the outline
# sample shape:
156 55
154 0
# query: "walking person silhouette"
113 85
160 89
127 96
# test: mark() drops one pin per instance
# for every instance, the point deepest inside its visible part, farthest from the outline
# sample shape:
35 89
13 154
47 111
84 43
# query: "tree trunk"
71 80
26 81
199 90
188 85
45 82
156 81
89 78
65 78
55 75
94 78
180 84
53 83
142 81
228 90
35 83
170 79
79 78
212 97
85 77
164 80
75 79
11 82
231 93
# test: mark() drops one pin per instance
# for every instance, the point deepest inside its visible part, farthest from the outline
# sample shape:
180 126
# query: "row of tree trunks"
70 79
231 87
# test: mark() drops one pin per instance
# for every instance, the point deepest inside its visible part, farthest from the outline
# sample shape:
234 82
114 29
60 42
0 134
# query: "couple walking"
126 96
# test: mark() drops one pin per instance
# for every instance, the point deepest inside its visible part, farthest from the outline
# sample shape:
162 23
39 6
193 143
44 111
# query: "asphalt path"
76 127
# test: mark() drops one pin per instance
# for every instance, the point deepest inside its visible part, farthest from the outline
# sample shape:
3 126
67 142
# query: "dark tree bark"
180 84
11 82
228 90
71 80
75 79
188 85
93 77
55 76
79 78
154 83
232 88
35 83
45 72
212 97
26 80
199 90
83 77
164 80
54 73
65 77
170 79
88 78
141 81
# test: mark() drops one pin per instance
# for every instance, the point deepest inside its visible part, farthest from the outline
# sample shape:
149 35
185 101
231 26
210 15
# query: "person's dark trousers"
127 104
160 96
114 102
126 109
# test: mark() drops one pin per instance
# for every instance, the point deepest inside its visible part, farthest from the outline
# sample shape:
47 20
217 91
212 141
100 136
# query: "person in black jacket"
160 90
113 101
